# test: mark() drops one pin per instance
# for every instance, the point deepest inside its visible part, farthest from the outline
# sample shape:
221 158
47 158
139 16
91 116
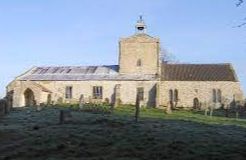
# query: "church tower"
139 54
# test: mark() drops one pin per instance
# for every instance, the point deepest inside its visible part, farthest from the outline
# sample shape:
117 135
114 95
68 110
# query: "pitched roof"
80 73
198 72
170 72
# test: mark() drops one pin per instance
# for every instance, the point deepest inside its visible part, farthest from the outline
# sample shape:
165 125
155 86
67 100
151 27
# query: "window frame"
69 92
139 63
97 92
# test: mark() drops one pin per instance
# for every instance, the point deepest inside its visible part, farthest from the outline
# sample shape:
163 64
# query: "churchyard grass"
95 134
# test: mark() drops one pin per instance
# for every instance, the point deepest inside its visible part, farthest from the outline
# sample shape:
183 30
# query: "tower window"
139 63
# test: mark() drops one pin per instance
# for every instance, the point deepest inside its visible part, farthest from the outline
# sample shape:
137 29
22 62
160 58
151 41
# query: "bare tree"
239 4
167 57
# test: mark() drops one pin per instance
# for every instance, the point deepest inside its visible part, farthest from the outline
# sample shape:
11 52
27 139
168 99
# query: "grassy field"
28 134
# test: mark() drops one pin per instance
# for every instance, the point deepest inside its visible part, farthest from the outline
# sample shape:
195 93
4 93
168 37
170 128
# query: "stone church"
140 71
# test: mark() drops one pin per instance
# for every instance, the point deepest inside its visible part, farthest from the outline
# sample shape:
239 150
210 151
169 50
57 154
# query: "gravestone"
65 116
81 101
137 106
6 106
117 96
40 107
90 100
226 106
141 103
2 107
205 107
60 101
169 108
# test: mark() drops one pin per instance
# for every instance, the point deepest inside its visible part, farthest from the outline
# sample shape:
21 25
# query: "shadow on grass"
225 113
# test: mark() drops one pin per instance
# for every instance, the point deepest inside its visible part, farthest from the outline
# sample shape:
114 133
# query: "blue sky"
86 32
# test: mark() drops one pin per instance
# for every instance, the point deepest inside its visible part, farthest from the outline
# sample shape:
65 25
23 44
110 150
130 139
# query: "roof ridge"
76 66
198 64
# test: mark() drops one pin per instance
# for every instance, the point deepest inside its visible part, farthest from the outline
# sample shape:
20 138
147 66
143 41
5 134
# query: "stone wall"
127 89
19 87
188 90
139 47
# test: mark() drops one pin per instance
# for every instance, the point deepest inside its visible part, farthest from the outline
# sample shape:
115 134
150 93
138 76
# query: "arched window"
219 96
139 63
214 96
176 95
171 95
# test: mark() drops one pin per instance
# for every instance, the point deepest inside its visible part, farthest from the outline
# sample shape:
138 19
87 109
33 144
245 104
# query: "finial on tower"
141 18
140 26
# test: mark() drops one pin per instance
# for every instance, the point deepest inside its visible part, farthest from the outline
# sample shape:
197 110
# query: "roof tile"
198 72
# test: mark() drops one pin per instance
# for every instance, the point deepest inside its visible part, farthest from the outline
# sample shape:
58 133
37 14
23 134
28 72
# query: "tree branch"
239 3
241 25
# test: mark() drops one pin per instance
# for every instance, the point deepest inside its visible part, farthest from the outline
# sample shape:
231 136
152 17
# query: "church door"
29 97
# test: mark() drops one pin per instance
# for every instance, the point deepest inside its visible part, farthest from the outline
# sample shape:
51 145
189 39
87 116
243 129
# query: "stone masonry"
140 71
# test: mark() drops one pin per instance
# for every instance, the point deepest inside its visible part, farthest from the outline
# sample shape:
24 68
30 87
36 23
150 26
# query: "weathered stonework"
139 47
188 90
127 96
139 67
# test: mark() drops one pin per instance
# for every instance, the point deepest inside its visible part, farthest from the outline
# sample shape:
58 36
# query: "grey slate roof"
198 72
169 72
80 73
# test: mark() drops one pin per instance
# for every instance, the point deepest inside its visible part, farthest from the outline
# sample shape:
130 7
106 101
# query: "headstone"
6 106
226 106
206 108
137 106
169 108
117 96
65 116
90 100
81 101
40 107
211 109
2 107
238 108
59 100
217 105
9 99
141 103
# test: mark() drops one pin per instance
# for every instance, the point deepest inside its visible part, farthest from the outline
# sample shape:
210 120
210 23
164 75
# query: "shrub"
106 101
97 109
